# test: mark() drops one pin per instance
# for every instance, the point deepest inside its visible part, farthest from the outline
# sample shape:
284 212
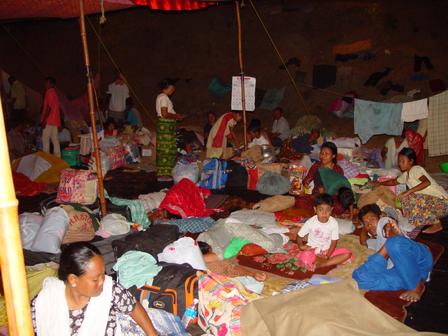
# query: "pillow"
52 231
275 203
273 184
332 180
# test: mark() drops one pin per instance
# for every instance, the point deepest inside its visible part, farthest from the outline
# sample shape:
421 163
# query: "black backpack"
172 290
236 175
151 241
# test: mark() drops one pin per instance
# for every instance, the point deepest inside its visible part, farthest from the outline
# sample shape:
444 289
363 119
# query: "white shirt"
412 179
163 100
320 234
118 95
259 141
281 126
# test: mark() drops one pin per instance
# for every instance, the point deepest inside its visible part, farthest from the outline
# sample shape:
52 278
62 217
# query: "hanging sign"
249 92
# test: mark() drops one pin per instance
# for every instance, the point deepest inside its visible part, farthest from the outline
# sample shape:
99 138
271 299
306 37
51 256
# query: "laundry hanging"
415 110
437 125
373 118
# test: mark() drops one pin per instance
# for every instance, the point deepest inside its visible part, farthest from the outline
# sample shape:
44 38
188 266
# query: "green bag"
332 180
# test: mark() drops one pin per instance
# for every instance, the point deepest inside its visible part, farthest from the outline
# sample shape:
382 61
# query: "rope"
118 68
32 59
293 82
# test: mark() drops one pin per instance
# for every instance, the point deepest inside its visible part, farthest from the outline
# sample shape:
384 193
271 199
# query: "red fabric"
25 187
21 9
219 136
415 141
252 178
185 199
170 5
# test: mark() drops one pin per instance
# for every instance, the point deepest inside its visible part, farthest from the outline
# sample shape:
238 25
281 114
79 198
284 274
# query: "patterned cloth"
424 209
123 302
194 225
166 146
138 212
437 139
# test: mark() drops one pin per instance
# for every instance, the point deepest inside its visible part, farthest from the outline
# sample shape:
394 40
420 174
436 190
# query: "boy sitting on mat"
322 234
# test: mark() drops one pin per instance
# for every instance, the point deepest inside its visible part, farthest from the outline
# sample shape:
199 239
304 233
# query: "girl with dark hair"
328 159
425 201
167 119
84 301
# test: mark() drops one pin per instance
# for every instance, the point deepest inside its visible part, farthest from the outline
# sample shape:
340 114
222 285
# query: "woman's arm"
424 184
363 236
388 183
140 316
310 176
167 115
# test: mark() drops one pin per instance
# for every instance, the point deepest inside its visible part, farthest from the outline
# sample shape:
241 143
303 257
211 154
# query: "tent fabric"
331 309
21 9
173 5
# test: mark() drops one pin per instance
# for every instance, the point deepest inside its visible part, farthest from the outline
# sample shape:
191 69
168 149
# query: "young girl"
322 234
425 201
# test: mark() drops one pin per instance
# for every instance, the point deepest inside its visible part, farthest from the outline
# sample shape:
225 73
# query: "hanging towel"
138 212
136 268
415 110
373 118
437 137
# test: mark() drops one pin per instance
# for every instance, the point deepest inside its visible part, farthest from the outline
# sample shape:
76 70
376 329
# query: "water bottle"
190 313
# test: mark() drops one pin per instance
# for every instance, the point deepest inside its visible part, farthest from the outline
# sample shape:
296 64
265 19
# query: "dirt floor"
194 47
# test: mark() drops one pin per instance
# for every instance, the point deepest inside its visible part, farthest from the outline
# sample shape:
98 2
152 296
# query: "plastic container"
191 314
71 156
444 167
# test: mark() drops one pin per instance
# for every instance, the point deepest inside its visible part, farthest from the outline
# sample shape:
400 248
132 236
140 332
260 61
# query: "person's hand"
304 247
373 183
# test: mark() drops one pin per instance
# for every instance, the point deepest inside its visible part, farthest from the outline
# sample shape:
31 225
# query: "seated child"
257 138
373 222
110 128
322 234
344 204
411 266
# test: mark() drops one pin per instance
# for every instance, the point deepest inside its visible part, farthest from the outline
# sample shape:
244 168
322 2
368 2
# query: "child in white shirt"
322 233
257 138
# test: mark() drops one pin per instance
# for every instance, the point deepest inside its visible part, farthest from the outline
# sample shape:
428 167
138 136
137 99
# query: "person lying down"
412 263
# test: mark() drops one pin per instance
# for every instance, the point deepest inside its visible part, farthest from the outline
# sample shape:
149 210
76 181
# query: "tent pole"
240 58
92 108
11 253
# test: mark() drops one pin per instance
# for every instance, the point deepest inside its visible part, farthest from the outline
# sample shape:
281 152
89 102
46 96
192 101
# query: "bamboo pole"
99 172
11 254
240 58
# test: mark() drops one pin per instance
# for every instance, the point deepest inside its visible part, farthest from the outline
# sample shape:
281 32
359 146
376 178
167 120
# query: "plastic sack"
115 224
52 231
29 227
109 142
183 250
105 163
275 203
273 184
81 224
77 186
186 170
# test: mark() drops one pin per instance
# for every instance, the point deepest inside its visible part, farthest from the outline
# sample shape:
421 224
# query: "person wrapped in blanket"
328 177
222 131
167 117
425 202
83 300
399 264
322 232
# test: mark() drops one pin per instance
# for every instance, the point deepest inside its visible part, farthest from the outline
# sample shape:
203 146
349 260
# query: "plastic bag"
105 163
186 170
183 250
52 231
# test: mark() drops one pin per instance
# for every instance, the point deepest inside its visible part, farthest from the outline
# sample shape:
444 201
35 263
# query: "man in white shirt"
280 128
117 93
257 138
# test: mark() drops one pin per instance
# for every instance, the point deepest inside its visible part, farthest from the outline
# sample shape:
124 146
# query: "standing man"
17 98
51 118
280 128
117 93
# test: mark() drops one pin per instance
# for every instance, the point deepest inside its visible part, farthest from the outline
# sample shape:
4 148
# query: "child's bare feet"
434 228
414 295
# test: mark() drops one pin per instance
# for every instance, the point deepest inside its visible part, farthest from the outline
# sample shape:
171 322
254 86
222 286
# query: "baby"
322 235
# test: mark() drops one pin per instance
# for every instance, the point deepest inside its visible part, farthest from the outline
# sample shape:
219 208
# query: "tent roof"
28 9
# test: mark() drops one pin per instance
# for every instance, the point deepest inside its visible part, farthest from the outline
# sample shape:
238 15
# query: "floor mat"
389 301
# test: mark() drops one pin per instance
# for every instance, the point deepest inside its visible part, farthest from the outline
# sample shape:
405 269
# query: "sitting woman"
84 301
425 201
222 131
412 264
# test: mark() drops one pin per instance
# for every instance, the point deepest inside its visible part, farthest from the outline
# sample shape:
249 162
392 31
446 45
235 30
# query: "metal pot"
268 154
